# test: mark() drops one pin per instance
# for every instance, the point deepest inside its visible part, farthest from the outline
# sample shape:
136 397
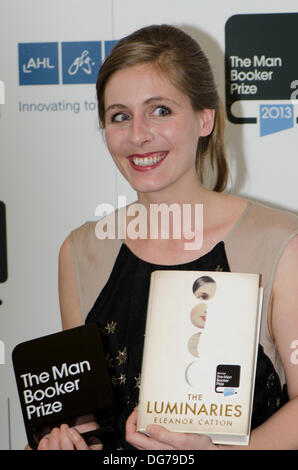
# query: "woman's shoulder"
271 213
108 228
264 219
274 219
259 237
82 232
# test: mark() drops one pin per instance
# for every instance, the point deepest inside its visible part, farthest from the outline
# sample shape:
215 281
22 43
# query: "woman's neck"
189 192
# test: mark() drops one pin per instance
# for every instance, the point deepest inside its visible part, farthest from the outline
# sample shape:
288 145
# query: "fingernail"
42 444
73 432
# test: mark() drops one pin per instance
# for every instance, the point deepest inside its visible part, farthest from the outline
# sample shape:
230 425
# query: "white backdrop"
55 168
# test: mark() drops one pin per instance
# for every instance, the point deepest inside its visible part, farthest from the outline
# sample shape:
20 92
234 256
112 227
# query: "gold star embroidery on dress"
122 356
114 381
138 381
109 360
122 379
270 380
110 327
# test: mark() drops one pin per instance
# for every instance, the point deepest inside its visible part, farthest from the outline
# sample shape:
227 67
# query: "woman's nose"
140 131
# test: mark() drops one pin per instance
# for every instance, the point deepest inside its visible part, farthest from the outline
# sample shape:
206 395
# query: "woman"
162 119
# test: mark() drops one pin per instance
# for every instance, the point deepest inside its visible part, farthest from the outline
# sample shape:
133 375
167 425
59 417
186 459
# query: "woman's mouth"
147 161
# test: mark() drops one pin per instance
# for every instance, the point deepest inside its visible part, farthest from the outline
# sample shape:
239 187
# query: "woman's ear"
206 119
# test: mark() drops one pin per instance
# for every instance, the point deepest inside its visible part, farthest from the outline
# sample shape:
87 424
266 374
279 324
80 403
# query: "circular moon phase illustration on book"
204 287
198 315
192 374
187 372
193 344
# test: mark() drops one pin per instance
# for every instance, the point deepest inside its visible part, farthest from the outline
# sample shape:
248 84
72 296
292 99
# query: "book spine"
255 359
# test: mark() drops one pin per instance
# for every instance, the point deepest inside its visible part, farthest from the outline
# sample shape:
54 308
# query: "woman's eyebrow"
115 106
161 98
148 101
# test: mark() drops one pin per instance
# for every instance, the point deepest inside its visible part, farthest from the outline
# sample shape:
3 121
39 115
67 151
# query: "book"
200 353
61 377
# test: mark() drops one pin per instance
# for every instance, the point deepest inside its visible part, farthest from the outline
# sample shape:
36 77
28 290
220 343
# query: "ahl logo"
261 70
39 62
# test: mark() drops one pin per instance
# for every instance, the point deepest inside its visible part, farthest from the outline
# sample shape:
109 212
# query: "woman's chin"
147 186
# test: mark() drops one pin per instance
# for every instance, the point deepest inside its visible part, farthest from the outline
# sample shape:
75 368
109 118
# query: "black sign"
61 377
261 62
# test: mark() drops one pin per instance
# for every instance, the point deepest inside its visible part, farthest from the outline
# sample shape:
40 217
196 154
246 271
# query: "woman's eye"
161 111
203 296
119 117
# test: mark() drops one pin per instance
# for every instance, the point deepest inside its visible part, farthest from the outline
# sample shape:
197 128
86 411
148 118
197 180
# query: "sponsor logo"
38 63
261 70
80 62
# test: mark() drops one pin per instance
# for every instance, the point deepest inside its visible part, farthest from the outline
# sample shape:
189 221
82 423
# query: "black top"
120 313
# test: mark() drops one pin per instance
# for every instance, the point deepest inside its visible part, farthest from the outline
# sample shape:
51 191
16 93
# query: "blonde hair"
181 59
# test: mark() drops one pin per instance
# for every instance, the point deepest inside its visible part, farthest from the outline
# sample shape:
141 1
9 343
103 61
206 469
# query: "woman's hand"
162 439
69 438
63 438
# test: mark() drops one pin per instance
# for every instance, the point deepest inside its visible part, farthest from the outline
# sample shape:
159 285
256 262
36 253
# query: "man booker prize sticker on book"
200 353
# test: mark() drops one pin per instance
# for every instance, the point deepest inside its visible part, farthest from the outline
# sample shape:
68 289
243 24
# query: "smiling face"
198 315
151 128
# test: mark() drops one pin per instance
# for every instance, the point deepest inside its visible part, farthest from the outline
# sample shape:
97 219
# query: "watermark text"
294 354
159 221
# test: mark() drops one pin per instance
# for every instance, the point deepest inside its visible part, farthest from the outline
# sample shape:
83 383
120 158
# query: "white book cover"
200 353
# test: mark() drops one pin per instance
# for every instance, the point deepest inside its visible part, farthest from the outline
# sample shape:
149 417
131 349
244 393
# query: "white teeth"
148 161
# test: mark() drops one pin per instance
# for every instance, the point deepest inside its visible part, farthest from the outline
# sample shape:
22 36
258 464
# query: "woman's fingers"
183 441
131 422
162 439
43 444
66 442
63 438
54 440
139 440
130 431
77 440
